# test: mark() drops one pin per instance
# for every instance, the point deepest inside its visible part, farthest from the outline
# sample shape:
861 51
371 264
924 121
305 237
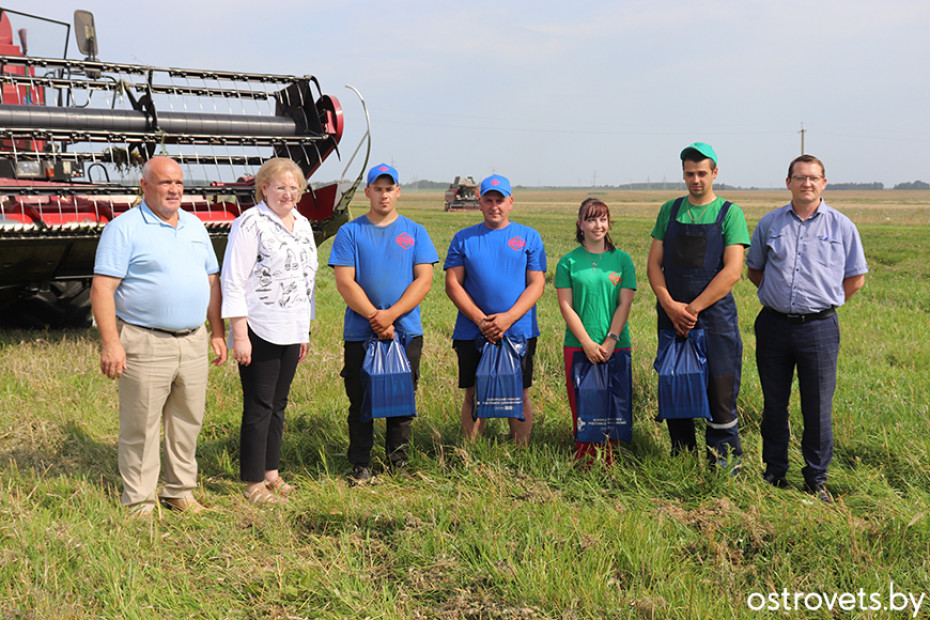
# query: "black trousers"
266 383
361 434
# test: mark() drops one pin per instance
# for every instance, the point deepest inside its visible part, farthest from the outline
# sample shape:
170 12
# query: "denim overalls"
692 257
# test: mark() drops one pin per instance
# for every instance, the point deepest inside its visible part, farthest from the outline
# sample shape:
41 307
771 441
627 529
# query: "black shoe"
820 491
399 469
360 475
778 482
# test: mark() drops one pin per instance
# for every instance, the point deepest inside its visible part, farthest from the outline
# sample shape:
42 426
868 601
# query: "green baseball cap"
703 148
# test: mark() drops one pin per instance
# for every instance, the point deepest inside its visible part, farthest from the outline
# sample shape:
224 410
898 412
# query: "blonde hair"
272 168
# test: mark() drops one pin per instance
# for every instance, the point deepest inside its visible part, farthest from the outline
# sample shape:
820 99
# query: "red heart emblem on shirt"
615 278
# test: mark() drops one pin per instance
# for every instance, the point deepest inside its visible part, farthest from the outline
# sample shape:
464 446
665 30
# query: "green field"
484 530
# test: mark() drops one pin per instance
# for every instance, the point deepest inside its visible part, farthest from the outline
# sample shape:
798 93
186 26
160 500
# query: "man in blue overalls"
695 259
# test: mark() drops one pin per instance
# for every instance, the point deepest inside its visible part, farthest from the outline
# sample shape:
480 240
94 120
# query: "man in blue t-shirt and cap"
383 263
495 273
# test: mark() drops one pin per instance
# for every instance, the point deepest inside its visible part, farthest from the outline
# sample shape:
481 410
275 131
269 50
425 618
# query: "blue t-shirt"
383 258
496 262
163 269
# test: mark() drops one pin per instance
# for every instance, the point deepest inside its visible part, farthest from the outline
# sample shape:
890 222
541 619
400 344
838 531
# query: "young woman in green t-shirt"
595 284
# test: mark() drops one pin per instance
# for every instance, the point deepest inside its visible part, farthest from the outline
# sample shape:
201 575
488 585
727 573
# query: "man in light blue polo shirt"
807 260
155 281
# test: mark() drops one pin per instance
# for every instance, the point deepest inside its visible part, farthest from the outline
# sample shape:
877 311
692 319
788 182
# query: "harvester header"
74 135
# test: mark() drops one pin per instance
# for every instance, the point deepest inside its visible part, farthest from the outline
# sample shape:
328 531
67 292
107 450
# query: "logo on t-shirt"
405 240
517 243
615 278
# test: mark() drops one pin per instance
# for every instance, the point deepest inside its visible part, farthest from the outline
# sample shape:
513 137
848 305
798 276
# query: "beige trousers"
165 383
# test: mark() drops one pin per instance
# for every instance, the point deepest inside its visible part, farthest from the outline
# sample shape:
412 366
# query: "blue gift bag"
682 366
499 379
603 398
387 381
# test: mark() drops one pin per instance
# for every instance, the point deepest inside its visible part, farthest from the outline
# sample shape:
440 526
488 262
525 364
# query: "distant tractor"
462 194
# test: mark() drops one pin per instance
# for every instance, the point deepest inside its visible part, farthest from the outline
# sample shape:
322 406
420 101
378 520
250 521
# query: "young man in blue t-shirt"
495 273
383 263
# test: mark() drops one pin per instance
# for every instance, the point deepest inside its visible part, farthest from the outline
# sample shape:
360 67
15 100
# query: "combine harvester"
462 194
74 135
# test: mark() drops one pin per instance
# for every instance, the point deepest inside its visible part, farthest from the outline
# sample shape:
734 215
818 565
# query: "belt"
177 334
797 319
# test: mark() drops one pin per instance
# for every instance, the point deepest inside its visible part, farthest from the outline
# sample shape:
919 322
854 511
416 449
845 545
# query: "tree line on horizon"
674 186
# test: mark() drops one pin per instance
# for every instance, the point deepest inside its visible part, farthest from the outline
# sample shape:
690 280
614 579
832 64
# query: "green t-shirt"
596 290
735 231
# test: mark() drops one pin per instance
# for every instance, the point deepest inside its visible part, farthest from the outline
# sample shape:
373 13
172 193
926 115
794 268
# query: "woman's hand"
242 351
608 347
594 352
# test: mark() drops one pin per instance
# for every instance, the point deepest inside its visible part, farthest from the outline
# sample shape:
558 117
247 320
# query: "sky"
601 93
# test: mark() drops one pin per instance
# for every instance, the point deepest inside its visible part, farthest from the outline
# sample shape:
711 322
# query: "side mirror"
85 33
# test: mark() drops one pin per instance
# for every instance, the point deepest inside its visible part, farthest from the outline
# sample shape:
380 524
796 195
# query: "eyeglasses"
287 190
804 179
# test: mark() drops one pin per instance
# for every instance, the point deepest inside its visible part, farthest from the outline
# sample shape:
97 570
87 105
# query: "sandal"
261 496
279 486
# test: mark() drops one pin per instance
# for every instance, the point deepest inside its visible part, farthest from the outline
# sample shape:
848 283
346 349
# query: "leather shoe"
820 491
182 504
778 482
360 475
144 510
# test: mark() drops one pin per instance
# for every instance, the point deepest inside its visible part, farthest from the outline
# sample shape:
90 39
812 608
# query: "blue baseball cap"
381 170
496 183
703 148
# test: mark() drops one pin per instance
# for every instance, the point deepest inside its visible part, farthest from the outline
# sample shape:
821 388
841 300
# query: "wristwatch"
614 336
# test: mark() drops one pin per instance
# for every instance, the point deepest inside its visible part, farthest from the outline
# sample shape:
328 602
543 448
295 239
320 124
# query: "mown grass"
484 530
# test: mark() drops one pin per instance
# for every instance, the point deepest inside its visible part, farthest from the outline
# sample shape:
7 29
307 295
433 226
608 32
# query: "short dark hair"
694 155
806 159
591 208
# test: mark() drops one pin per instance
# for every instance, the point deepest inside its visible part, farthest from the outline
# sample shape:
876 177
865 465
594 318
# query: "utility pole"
802 132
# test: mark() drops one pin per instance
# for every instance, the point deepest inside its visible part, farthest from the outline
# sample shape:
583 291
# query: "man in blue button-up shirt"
806 259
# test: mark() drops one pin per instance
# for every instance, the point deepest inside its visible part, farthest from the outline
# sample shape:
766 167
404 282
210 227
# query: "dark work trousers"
813 348
266 382
692 257
362 434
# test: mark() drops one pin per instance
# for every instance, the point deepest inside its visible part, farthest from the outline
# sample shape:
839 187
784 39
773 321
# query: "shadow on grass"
897 464
74 452
14 334
372 525
314 445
